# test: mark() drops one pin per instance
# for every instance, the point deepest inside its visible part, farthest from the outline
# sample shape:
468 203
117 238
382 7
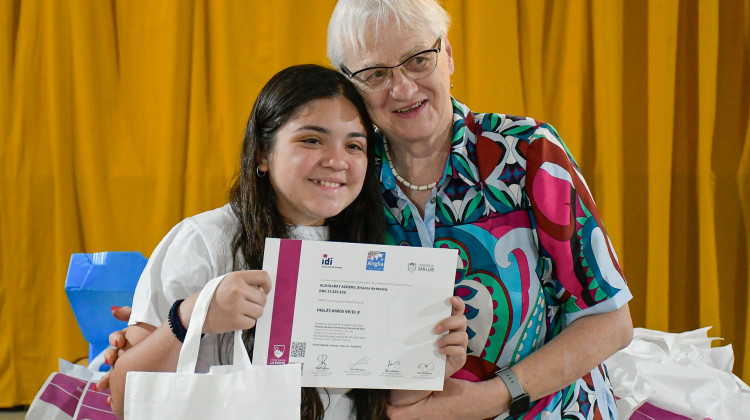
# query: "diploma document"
356 315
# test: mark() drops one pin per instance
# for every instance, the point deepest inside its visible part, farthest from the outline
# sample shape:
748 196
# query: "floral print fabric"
534 251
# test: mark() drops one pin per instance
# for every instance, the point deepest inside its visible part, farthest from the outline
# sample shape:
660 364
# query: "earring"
259 173
451 85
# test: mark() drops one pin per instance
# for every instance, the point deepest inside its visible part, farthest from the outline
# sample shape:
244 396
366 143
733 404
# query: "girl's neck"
314 233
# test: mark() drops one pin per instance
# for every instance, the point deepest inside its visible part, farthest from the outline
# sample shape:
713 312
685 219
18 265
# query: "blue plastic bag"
94 284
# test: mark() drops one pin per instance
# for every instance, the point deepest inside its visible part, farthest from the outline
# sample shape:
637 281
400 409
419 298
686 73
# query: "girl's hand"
237 303
117 341
453 344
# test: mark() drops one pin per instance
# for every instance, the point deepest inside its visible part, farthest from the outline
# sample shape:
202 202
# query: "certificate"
356 315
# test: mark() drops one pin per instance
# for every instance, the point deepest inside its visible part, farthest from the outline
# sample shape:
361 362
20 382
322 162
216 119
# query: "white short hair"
353 21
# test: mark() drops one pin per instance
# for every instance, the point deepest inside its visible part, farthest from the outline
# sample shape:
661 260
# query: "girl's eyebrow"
324 130
317 128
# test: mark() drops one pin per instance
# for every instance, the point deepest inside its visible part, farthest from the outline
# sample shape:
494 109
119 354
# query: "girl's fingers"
121 313
247 306
258 278
110 355
117 339
256 296
103 383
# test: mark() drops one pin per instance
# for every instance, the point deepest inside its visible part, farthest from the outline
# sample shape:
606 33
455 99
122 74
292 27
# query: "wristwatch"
519 399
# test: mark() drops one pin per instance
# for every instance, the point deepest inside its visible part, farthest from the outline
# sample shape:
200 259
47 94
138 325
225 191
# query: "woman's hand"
453 344
237 303
458 400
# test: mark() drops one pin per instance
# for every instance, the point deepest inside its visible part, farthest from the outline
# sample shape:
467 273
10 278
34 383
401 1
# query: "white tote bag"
239 391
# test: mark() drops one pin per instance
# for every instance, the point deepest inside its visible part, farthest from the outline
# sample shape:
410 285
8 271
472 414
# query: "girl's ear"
263 165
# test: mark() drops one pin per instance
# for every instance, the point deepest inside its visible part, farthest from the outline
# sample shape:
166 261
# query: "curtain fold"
120 118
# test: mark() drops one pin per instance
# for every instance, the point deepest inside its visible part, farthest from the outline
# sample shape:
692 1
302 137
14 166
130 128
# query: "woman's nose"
401 86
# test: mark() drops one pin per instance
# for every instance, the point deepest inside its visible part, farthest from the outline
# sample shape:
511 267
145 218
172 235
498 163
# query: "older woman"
546 299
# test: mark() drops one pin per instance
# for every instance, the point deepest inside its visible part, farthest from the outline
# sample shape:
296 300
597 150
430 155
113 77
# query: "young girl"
306 173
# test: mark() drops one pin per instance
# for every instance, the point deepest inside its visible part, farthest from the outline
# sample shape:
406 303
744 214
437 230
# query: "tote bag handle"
189 352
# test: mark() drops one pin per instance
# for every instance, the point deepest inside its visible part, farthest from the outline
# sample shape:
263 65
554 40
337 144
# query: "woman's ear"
449 51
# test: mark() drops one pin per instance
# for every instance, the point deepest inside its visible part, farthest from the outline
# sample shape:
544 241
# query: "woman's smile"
412 110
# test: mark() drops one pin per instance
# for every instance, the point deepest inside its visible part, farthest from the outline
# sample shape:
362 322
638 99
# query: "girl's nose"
337 160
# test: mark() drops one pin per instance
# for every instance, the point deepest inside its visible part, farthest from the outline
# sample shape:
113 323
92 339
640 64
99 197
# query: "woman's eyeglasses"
418 66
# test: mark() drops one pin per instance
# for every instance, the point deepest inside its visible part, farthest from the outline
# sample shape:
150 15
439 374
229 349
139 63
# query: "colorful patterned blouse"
536 256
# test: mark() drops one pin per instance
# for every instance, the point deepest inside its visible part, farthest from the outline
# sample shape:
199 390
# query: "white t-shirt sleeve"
190 255
179 266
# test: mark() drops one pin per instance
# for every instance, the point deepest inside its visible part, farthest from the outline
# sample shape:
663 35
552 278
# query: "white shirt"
195 251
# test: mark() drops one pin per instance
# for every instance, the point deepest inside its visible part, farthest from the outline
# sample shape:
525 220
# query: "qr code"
298 349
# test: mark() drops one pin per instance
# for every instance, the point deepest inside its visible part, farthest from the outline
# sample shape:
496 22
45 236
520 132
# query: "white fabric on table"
681 373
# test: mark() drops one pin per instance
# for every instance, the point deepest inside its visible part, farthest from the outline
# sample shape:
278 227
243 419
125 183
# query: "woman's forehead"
389 46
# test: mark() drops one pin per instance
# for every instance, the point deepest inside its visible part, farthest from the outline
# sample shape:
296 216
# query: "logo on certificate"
430 268
278 350
375 260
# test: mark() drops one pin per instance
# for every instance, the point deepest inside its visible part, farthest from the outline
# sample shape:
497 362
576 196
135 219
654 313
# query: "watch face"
519 405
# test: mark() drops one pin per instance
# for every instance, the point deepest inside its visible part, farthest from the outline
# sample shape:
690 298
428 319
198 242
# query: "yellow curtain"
120 118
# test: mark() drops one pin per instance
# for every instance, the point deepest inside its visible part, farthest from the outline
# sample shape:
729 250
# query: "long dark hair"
253 199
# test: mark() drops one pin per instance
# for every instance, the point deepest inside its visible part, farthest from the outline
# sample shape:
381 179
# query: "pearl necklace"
399 177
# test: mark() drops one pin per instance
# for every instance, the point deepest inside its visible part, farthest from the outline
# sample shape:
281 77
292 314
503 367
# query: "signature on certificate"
392 366
425 368
361 362
322 362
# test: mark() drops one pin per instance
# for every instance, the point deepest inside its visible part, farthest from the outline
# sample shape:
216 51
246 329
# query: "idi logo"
326 260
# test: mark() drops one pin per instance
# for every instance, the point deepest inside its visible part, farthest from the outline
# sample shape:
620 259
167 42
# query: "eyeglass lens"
416 67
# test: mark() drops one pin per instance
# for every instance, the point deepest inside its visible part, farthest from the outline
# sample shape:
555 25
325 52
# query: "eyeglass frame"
389 69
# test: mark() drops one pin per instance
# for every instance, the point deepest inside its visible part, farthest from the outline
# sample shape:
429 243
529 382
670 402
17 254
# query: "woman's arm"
578 349
453 345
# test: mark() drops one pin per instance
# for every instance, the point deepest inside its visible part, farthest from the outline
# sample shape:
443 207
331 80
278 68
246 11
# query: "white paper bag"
240 391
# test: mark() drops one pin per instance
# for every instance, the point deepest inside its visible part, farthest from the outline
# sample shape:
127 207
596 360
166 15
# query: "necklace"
401 179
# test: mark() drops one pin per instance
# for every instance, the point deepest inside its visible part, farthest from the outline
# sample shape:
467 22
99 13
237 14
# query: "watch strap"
519 399
511 382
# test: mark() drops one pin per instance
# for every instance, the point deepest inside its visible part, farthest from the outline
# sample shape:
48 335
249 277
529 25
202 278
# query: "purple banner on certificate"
287 274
